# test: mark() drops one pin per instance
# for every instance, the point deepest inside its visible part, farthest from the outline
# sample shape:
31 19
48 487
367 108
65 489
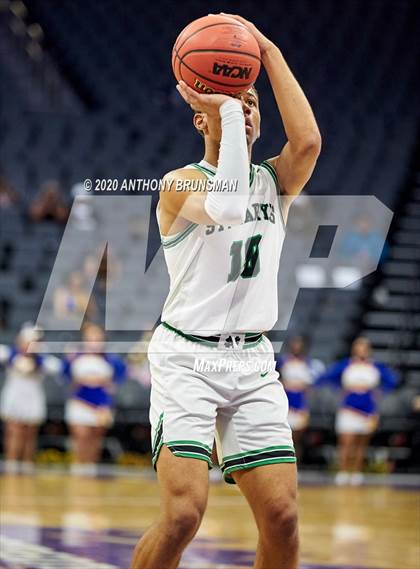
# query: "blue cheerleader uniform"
297 374
94 378
359 380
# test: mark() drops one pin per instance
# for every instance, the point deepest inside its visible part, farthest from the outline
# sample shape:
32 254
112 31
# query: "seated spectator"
49 205
363 244
82 211
8 195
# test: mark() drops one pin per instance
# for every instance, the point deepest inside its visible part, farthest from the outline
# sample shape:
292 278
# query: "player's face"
250 105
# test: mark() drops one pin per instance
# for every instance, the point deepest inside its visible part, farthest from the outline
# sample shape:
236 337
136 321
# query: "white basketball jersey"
224 279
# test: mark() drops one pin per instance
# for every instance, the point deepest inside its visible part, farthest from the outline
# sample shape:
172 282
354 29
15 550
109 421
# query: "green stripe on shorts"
228 471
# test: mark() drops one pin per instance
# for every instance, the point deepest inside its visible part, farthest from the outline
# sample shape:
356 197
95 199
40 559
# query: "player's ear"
200 123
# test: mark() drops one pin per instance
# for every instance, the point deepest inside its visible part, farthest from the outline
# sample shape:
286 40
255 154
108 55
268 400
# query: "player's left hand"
263 42
202 102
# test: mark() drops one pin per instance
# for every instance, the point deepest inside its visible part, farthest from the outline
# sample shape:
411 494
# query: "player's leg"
184 490
183 407
271 492
255 441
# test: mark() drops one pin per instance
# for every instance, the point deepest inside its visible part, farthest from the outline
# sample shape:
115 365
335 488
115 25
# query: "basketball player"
222 250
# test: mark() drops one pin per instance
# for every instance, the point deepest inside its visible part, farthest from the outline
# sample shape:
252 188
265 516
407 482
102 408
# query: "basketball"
216 54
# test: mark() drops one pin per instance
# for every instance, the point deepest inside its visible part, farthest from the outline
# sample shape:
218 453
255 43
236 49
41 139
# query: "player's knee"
183 522
280 520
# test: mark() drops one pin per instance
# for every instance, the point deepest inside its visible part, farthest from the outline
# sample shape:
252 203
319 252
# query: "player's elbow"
310 145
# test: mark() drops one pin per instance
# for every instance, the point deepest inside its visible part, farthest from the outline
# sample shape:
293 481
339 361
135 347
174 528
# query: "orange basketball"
216 54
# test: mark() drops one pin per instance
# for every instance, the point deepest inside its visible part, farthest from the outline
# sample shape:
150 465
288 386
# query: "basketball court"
53 520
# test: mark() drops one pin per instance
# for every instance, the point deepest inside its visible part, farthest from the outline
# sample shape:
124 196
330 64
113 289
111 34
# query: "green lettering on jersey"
251 267
236 262
252 258
264 207
248 216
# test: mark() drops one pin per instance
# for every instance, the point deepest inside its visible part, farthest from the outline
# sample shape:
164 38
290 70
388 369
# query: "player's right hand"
202 102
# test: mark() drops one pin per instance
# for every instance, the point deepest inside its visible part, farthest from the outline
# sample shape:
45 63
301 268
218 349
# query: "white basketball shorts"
203 391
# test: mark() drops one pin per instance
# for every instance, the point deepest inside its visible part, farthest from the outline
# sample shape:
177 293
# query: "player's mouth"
248 126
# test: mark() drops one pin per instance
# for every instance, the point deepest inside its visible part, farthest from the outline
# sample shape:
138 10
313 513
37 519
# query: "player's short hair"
256 92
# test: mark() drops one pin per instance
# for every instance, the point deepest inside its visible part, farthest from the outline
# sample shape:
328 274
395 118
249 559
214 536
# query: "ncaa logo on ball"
233 71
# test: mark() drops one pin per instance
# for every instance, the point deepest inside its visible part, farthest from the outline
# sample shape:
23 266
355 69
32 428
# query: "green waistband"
253 338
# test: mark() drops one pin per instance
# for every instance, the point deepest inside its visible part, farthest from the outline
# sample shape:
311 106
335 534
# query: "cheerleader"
93 375
357 419
22 403
297 373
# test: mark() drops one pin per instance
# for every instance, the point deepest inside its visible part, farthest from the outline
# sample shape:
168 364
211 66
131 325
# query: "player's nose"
246 109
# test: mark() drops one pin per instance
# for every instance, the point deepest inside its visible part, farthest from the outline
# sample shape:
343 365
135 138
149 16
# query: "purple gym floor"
33 547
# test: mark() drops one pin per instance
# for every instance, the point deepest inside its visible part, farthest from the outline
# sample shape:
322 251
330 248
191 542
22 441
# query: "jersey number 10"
251 267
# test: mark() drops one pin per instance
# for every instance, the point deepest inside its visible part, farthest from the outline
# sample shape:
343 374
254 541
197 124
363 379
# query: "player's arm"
222 206
296 162
177 200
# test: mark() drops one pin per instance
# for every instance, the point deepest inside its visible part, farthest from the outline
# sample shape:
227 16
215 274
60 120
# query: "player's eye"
251 103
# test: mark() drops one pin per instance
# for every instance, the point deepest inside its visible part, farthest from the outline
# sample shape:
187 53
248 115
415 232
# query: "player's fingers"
243 21
187 93
235 17
184 94
194 98
192 95
185 97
